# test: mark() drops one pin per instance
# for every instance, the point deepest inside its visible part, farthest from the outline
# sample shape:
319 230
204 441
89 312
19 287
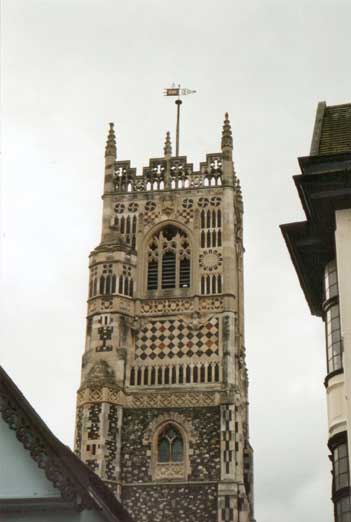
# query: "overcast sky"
71 66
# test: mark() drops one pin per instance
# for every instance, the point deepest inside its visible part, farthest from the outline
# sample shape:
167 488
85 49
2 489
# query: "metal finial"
168 145
227 139
111 149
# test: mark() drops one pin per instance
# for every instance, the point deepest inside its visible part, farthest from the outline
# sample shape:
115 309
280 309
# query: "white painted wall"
336 405
343 259
20 477
19 474
64 516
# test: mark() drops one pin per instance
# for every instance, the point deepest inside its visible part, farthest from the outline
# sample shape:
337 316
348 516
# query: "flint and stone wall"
178 501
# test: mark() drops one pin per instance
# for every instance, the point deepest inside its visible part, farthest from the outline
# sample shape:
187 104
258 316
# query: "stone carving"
119 208
151 213
211 304
41 453
171 400
203 202
101 373
166 306
105 334
106 304
139 184
150 206
211 260
215 201
195 321
175 338
169 470
133 207
115 395
188 203
168 206
170 416
186 214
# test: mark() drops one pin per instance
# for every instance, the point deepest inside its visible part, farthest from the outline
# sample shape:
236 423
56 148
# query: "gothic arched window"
168 259
170 445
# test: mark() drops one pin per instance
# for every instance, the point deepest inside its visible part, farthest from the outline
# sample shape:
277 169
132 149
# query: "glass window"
333 334
169 260
330 280
170 445
343 510
341 467
164 448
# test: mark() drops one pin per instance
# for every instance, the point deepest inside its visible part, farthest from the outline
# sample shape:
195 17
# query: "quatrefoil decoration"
187 203
203 202
133 207
119 208
150 206
216 201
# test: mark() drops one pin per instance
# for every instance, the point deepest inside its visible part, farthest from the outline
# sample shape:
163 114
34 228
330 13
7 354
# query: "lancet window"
211 284
169 257
126 225
170 445
108 283
211 228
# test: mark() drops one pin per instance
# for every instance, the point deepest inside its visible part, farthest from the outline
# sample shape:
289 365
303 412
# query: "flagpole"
178 103
177 91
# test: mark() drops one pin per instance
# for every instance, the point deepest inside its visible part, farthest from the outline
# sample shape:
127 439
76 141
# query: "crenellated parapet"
163 174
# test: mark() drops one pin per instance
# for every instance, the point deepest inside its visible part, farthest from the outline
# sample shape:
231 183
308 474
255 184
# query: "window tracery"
105 281
170 445
126 224
169 257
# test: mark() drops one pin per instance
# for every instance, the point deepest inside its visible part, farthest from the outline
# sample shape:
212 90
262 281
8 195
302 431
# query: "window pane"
184 274
177 450
168 270
163 450
152 275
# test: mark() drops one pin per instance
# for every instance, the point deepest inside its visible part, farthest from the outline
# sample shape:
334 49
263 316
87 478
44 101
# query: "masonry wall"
176 501
172 503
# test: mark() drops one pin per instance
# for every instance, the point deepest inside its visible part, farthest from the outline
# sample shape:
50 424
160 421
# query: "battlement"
164 174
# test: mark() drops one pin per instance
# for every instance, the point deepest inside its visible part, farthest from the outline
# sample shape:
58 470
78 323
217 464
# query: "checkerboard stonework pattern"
174 338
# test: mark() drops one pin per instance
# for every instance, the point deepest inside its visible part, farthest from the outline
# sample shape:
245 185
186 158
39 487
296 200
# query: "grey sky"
71 66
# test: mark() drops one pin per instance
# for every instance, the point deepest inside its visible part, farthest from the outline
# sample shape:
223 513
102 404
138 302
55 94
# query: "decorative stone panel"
175 338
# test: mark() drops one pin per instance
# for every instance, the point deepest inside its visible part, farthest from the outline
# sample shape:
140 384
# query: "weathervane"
177 91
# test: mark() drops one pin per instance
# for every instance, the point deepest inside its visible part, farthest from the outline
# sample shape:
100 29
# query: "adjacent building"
41 479
162 410
320 249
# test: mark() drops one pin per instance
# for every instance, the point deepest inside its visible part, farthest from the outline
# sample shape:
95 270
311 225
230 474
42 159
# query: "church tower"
162 410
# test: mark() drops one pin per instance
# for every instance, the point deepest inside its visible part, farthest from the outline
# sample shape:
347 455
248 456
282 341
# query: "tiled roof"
332 132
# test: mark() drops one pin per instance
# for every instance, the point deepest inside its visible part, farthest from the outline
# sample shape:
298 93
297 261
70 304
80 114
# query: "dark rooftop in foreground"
332 129
324 186
80 487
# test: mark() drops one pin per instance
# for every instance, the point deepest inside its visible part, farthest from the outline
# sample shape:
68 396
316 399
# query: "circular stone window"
210 260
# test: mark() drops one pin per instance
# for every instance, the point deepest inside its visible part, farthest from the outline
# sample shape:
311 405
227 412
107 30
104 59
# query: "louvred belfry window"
169 260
